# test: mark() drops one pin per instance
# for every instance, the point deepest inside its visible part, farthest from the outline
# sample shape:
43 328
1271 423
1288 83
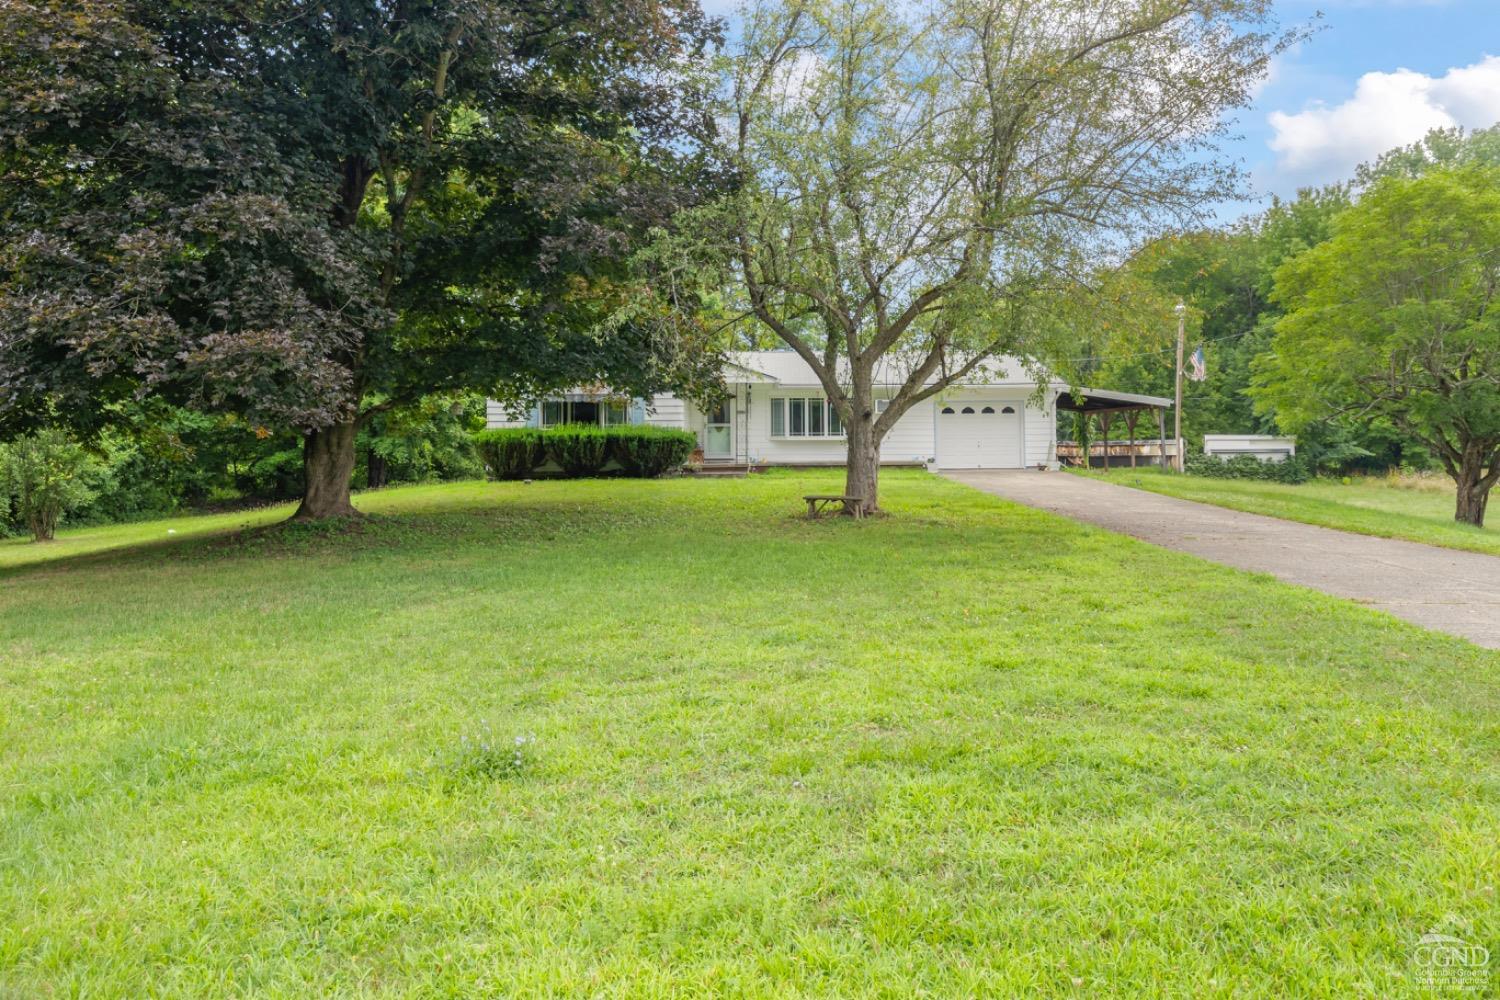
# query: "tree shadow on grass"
194 547
531 522
920 527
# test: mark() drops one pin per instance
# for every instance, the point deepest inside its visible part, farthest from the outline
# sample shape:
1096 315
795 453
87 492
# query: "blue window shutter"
637 412
534 418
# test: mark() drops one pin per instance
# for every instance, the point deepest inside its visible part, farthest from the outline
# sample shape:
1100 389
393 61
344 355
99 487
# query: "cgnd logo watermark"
1444 959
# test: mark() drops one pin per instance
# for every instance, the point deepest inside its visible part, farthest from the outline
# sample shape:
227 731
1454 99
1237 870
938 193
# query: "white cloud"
1322 144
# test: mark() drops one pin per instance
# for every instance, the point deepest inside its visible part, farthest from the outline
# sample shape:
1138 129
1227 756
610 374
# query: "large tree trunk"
43 524
328 467
1473 493
862 477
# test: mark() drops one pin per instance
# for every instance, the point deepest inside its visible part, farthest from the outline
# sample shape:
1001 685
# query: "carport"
1106 405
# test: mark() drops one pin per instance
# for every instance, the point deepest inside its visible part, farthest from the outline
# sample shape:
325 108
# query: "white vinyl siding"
910 439
496 415
1041 433
666 410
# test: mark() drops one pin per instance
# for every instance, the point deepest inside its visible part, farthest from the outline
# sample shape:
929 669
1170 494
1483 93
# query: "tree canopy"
307 214
1393 317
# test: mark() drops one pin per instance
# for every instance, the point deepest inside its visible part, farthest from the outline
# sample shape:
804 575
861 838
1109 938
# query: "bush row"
584 450
1293 470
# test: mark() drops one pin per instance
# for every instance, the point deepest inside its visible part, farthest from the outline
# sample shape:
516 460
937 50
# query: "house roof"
742 373
786 367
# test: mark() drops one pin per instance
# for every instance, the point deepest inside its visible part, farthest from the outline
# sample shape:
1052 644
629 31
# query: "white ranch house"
777 414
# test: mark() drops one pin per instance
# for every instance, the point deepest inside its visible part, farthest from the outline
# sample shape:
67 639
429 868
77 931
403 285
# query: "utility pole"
1180 459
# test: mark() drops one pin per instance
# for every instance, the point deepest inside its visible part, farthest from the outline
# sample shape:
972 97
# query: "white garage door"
979 435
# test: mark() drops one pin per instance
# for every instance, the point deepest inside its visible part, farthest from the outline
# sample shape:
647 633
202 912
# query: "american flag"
1199 370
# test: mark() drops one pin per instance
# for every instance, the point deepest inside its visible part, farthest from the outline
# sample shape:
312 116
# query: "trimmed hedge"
1293 470
650 451
584 449
581 449
511 452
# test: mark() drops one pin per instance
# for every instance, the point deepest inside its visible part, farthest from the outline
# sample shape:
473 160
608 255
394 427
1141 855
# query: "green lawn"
968 749
1368 506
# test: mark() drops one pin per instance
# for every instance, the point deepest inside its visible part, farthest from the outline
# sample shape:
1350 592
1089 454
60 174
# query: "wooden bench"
819 502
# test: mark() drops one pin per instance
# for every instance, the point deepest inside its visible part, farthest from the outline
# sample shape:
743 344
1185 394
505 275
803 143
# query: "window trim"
828 419
604 407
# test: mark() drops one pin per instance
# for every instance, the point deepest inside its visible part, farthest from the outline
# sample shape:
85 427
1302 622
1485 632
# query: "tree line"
1357 316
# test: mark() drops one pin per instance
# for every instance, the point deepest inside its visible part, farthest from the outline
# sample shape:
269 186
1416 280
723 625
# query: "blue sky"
1378 74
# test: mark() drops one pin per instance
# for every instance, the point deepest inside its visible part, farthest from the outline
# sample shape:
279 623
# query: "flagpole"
1181 310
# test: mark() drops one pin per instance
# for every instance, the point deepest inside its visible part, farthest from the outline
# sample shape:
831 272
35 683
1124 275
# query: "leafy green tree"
1224 276
305 215
1214 272
1393 318
921 186
1442 147
45 476
425 440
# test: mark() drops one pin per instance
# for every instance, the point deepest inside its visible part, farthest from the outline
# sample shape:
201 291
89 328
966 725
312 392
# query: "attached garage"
980 434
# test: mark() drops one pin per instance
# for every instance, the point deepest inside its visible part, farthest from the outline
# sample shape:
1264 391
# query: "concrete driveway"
1441 589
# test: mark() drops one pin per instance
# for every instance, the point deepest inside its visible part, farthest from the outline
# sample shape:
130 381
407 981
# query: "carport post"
1131 416
1104 418
1161 436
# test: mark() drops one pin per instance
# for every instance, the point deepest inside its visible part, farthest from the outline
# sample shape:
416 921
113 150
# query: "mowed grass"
969 749
138 535
1367 506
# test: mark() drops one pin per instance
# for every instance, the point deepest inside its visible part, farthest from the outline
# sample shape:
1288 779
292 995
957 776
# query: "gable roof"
743 373
786 367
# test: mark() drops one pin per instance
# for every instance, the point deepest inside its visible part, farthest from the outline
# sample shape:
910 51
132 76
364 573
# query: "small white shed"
1266 447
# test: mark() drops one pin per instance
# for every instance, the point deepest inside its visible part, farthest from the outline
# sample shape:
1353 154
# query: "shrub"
1293 470
46 476
277 476
651 451
135 485
431 439
584 449
512 452
581 449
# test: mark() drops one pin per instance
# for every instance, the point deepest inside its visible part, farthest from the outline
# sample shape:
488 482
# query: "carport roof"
1102 400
